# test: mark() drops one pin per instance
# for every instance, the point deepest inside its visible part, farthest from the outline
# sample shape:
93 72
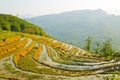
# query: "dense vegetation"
104 48
13 23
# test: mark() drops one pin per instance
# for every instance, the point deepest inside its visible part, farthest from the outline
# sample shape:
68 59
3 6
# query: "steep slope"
75 26
13 23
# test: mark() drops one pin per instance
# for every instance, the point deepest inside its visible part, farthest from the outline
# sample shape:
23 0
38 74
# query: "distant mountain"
13 23
75 26
26 16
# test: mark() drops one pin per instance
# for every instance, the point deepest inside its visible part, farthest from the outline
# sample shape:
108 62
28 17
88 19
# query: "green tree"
0 28
97 49
88 44
22 26
107 49
15 27
6 26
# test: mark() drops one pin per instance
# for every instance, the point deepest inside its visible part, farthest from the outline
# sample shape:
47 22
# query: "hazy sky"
43 7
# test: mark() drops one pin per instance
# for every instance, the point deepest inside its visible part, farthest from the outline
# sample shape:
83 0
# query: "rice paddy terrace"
27 57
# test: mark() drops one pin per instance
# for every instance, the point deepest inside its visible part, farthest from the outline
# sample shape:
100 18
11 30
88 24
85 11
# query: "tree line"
104 49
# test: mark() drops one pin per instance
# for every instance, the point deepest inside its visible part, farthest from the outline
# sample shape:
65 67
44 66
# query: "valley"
59 40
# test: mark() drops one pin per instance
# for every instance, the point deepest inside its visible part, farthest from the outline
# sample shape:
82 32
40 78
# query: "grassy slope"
13 23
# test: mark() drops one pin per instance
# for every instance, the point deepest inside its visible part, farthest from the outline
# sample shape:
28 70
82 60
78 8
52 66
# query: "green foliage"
22 26
88 43
107 49
97 49
6 26
15 28
13 23
113 77
0 29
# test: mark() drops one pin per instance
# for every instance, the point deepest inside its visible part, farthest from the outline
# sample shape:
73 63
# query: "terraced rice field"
30 57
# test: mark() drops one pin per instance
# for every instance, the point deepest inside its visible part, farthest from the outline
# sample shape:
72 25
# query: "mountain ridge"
68 26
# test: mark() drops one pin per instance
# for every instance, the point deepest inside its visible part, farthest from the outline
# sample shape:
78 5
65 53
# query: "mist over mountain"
26 16
75 26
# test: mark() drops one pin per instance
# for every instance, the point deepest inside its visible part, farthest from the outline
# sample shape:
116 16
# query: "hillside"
75 26
26 56
13 23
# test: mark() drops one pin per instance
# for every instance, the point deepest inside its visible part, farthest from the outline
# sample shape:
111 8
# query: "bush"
15 27
107 49
6 27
